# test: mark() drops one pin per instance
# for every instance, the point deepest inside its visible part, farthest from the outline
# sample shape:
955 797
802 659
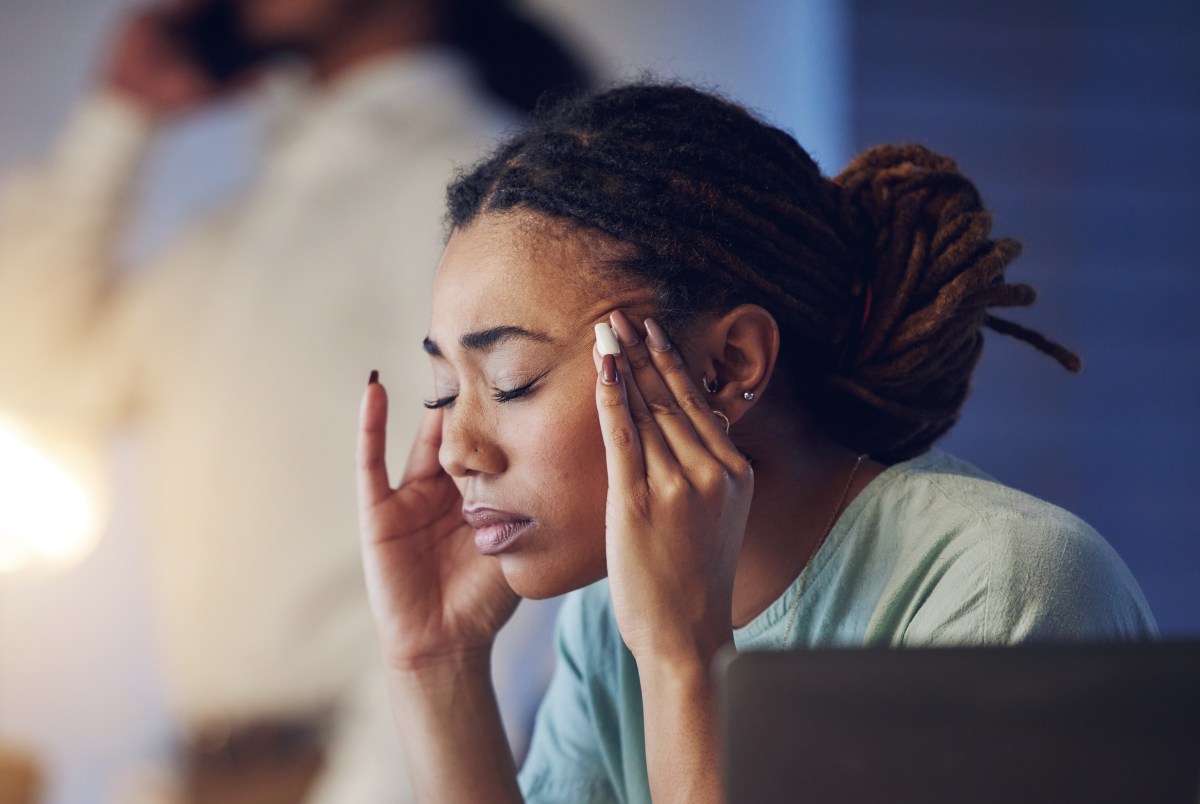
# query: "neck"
395 29
798 491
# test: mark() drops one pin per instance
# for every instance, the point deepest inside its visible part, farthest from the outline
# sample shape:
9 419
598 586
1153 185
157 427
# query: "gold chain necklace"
794 609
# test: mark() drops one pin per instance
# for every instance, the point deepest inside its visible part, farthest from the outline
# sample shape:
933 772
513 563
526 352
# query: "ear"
739 350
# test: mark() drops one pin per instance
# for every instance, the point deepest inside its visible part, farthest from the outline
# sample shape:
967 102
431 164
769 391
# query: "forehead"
520 269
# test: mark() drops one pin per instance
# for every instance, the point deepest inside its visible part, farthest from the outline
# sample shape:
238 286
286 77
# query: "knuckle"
672 363
613 400
663 406
622 436
712 478
638 360
693 403
674 488
642 419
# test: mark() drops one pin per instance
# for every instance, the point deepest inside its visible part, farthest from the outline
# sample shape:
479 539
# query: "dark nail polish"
608 371
374 378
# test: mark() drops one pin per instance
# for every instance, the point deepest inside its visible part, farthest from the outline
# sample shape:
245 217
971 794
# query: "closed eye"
507 396
498 394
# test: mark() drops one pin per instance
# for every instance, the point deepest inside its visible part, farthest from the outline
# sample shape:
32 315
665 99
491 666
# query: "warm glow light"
46 515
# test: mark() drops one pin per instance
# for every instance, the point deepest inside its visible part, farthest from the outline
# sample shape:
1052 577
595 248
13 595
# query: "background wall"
1079 121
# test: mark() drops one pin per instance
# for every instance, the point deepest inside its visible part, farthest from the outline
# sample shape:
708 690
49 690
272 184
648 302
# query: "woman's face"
514 305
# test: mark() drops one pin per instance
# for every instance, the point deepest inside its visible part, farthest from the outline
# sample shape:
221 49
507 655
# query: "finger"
423 458
655 452
622 438
668 411
373 486
672 372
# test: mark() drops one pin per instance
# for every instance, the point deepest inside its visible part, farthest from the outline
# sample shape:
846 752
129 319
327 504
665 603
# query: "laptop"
1094 723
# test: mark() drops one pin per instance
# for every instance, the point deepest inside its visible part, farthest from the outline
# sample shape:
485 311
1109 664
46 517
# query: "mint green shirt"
931 552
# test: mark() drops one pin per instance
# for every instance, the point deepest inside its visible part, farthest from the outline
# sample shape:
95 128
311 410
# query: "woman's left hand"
678 499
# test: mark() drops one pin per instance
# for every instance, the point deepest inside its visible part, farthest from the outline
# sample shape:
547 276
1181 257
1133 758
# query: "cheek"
566 452
562 466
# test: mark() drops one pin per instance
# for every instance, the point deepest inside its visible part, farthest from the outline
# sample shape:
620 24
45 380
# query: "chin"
535 577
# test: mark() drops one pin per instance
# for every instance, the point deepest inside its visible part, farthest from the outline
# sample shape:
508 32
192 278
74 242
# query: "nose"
469 446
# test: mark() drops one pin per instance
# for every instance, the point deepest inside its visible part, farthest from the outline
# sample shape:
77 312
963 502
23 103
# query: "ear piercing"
711 388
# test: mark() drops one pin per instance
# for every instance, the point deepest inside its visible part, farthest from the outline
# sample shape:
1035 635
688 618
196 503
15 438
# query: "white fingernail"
606 341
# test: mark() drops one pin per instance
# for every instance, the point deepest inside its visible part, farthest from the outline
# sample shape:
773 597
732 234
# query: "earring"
748 396
710 389
720 414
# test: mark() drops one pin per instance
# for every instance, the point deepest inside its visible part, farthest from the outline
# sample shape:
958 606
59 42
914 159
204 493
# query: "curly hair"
880 279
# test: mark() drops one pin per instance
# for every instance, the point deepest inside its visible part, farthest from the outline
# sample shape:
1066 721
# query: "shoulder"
1022 566
943 497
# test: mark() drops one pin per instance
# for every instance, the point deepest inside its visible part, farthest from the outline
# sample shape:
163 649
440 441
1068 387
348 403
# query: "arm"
59 230
451 730
683 752
368 759
63 333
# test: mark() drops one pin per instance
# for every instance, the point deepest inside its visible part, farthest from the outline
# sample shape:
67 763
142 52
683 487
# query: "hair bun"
934 272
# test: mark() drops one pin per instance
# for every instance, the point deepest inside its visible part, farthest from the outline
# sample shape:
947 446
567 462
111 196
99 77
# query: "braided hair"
880 279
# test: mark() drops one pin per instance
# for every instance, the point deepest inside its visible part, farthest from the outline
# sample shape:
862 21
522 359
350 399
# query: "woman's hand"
678 499
435 597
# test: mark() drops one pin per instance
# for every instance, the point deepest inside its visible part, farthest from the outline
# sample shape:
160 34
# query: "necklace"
794 609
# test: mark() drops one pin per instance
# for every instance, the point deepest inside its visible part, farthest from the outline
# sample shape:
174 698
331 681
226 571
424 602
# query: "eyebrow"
490 338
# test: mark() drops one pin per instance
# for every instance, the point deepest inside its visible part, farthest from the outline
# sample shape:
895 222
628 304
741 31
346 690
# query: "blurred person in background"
238 352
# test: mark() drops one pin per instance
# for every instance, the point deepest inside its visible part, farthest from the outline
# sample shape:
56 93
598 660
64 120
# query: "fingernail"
374 378
656 337
606 341
625 331
608 371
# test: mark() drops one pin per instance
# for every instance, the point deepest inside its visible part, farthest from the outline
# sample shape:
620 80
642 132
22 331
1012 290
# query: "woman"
755 464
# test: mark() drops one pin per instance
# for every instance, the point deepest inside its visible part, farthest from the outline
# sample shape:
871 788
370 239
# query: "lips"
495 530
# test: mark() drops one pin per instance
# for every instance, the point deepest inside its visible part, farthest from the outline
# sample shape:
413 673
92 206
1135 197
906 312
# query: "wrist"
676 675
432 684
685 655
441 664
679 700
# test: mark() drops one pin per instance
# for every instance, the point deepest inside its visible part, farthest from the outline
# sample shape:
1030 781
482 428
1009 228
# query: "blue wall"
1081 124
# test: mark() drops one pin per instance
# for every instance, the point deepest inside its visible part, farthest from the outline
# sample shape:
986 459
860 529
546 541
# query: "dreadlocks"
880 280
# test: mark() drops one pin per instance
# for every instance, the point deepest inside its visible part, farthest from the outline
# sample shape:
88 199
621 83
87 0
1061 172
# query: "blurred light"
48 518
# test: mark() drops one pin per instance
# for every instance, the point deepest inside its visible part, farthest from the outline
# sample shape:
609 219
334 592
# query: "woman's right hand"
434 595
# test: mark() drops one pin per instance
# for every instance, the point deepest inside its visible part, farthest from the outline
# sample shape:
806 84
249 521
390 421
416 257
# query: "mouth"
496 530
